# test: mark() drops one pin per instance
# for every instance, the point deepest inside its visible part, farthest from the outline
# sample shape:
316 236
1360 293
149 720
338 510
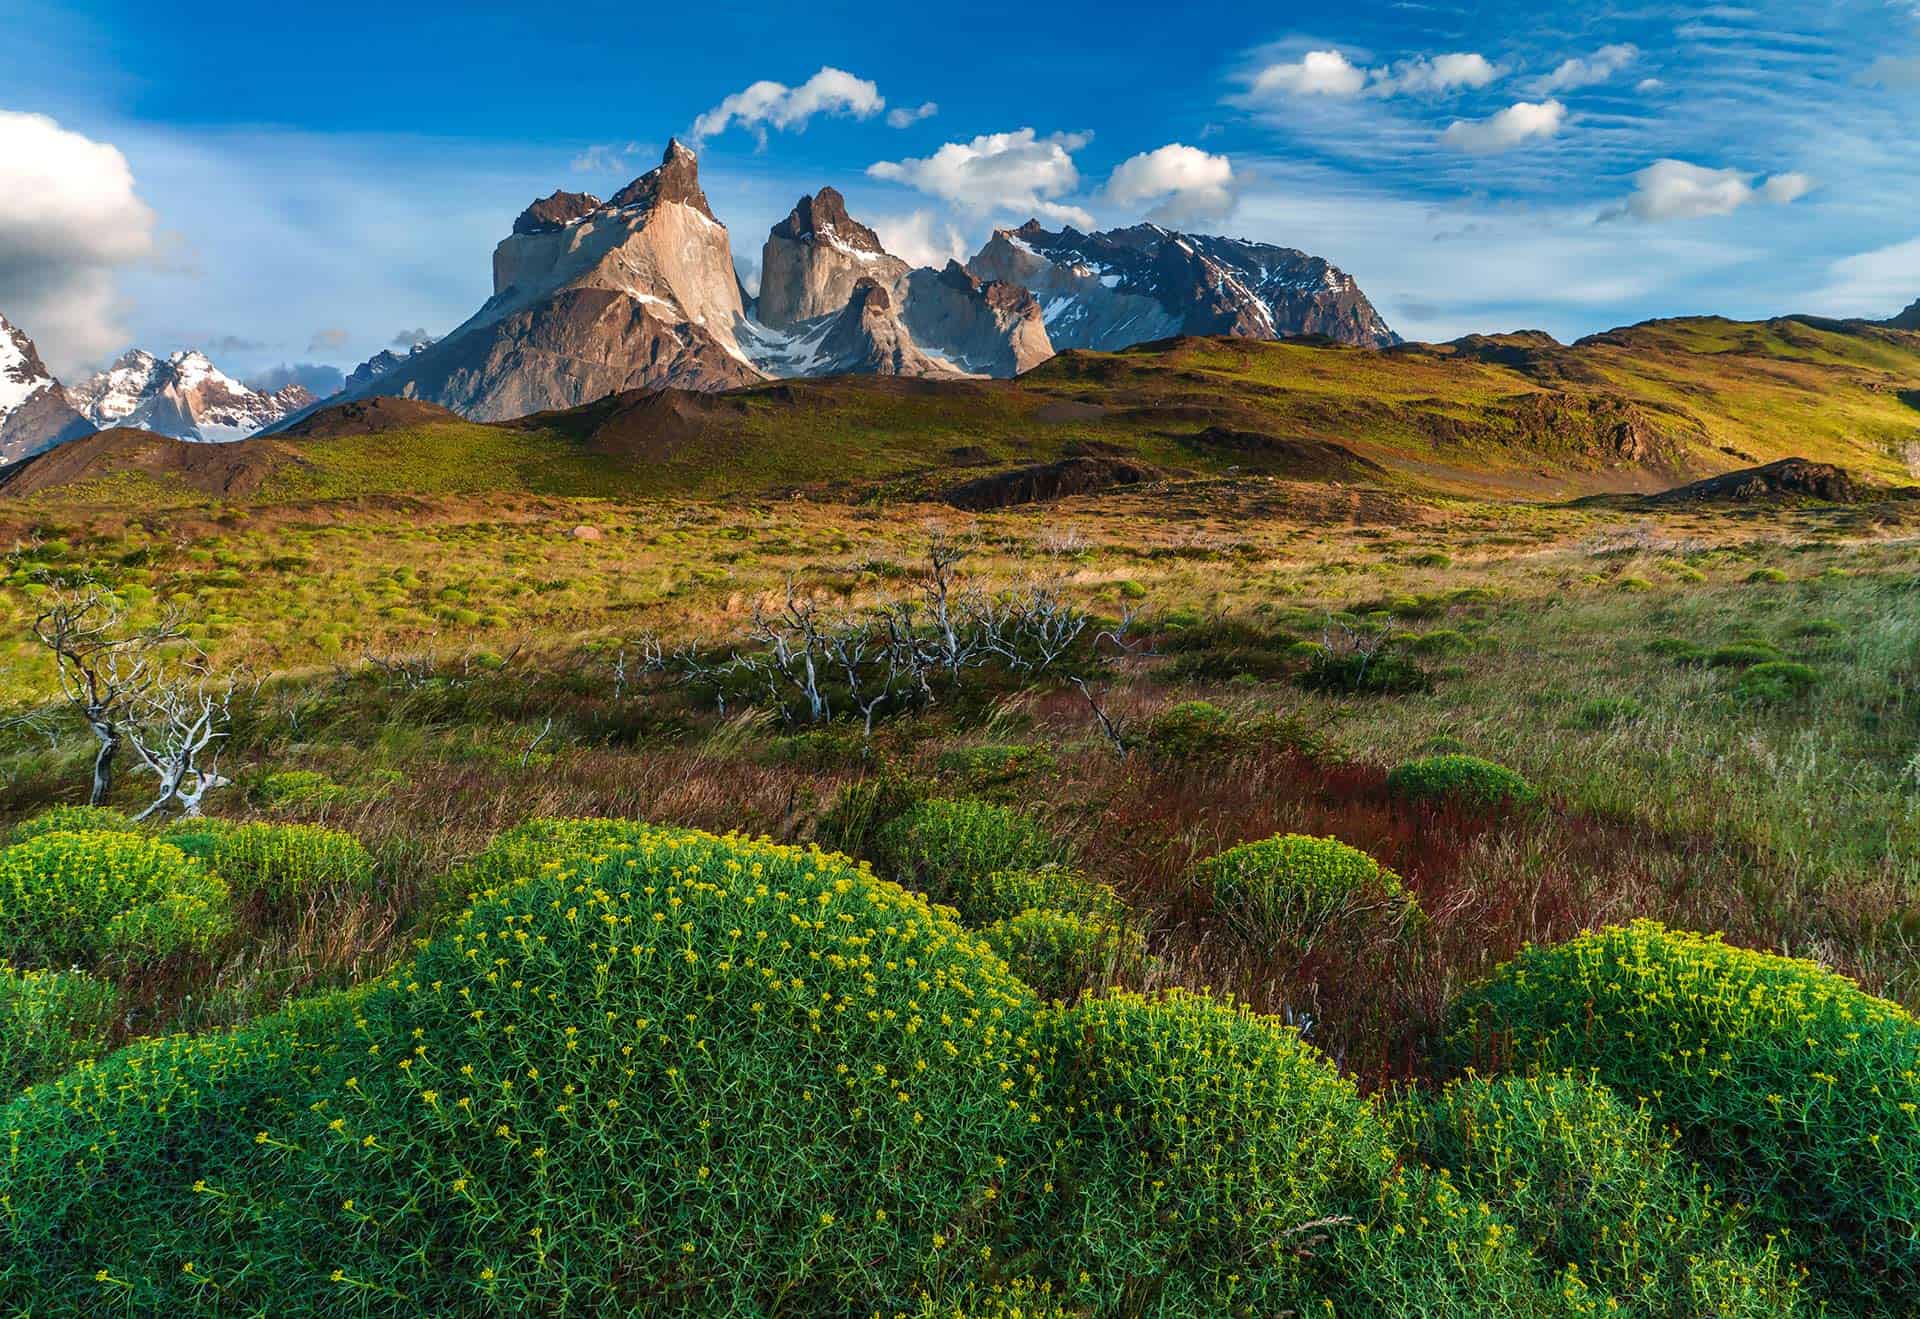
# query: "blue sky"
307 183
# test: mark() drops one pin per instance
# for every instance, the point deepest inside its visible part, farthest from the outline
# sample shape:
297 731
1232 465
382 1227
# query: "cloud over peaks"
767 104
70 220
1184 184
1017 171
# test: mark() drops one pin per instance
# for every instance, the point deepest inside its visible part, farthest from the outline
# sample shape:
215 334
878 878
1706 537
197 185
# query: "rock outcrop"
985 327
812 260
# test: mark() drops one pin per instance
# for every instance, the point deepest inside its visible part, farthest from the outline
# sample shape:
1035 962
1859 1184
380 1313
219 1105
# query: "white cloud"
904 117
1877 283
70 220
1523 121
1017 171
1184 184
1442 73
1317 73
1648 86
921 239
611 158
1330 73
1600 67
1677 190
768 104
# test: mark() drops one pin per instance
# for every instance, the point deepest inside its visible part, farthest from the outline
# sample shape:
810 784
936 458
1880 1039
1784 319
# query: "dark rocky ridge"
556 212
676 180
1788 478
1908 319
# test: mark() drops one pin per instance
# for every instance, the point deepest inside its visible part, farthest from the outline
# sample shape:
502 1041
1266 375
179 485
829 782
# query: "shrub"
861 809
986 768
1594 1185
1741 654
1776 682
1059 954
1634 584
1212 1159
1606 711
1058 888
49 1020
674 1075
1819 628
291 862
946 848
299 787
1796 1089
1468 780
1387 672
78 897
72 820
1676 648
1760 576
1432 559
1444 641
1291 890
1191 730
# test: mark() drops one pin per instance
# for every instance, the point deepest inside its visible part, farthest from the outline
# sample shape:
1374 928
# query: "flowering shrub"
1594 1185
1291 890
1797 1090
49 1020
1468 780
677 1074
290 862
1007 893
1059 954
72 820
80 897
946 848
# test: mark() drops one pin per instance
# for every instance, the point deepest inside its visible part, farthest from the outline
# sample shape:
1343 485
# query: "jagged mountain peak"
36 411
556 211
183 395
812 260
822 217
1908 319
675 179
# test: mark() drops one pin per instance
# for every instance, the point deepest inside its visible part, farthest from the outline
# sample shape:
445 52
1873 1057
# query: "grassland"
448 623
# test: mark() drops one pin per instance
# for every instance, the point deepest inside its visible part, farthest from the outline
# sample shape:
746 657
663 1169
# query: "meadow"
1388 896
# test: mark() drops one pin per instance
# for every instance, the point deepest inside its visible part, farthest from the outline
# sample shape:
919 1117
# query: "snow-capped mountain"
1126 286
184 395
36 412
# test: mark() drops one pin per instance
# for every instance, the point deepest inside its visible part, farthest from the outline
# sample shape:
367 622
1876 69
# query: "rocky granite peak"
556 212
822 217
675 179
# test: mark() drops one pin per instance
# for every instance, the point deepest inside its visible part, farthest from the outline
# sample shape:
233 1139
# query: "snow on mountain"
1125 286
36 412
185 396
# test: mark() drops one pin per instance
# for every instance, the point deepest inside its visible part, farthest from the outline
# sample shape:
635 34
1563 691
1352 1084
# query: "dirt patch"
1049 481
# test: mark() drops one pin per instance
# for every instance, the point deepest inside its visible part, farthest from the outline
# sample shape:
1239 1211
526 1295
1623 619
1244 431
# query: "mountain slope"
812 260
984 327
185 396
36 411
1908 319
1110 290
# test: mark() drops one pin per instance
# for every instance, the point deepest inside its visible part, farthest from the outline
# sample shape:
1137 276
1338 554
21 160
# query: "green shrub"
946 848
1798 1091
1214 1160
1676 648
76 898
1741 654
1776 682
1819 628
198 836
1058 888
1761 576
1292 891
861 809
1468 780
1606 711
1387 672
1634 584
49 1020
1432 559
676 1075
1191 730
1444 641
986 768
1023 1299
72 820
1593 1184
291 862
299 787
1060 954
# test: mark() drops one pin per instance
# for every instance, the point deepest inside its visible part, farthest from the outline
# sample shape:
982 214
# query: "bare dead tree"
107 666
175 733
1367 644
1108 724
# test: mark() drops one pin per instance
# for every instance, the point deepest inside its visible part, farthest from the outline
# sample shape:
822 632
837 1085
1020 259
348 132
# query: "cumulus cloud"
1521 122
1017 171
767 104
1317 73
319 379
921 239
70 220
329 339
903 117
1184 184
1677 190
1330 73
1599 67
1648 86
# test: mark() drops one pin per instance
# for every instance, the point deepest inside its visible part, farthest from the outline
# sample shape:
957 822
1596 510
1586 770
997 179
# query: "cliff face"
986 328
813 259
